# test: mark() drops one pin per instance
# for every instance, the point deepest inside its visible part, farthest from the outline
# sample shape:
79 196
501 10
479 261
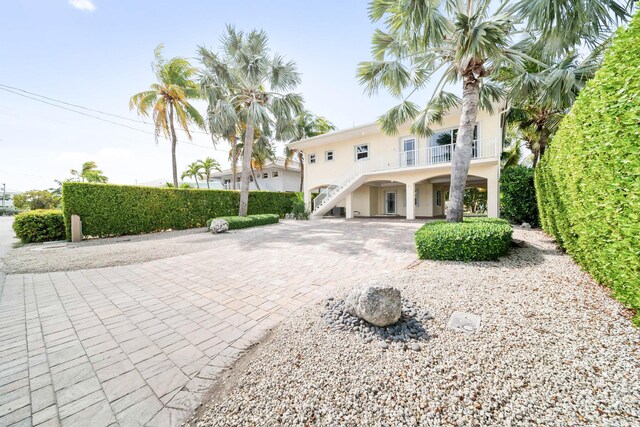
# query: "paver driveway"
140 344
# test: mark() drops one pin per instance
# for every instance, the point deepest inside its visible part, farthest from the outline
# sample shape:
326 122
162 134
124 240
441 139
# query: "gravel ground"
553 349
125 250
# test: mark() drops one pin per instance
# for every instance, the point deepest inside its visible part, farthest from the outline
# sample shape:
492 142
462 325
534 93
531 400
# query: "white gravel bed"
124 250
554 349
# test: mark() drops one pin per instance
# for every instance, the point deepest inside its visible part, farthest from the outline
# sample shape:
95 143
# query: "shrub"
300 211
237 222
474 239
588 182
41 225
518 196
113 210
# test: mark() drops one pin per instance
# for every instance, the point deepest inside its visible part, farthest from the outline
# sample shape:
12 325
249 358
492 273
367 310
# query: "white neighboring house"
7 203
274 176
371 174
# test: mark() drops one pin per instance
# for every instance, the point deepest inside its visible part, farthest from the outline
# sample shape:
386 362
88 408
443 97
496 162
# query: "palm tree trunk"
462 153
247 152
208 176
174 142
196 178
253 173
234 161
301 160
544 136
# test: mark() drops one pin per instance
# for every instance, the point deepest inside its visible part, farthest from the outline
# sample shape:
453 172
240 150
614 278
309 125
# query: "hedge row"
40 225
588 182
237 222
518 196
113 210
474 239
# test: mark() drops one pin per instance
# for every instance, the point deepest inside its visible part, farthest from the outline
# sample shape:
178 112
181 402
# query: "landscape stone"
464 322
377 303
219 226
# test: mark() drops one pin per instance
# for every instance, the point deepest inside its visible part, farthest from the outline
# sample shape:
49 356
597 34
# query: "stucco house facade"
372 174
274 176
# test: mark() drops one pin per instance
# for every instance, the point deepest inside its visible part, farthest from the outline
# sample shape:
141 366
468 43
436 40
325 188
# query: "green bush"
474 239
518 196
113 210
237 222
588 181
300 211
41 225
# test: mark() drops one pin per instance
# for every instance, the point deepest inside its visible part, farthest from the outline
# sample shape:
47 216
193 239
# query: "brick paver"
141 344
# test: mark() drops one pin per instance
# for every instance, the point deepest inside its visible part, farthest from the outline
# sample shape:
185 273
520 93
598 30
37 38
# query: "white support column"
493 195
410 195
429 199
349 206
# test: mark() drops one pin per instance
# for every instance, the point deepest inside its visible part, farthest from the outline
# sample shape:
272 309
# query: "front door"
390 203
409 149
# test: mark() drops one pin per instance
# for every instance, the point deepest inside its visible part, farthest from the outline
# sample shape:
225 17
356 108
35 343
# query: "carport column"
493 193
410 195
349 206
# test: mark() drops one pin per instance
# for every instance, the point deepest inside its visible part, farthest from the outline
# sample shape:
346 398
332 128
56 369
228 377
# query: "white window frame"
312 159
327 154
265 175
275 174
355 152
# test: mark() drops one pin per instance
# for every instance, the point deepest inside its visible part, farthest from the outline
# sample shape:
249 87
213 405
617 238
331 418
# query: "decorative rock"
415 346
464 322
526 225
219 226
384 345
376 303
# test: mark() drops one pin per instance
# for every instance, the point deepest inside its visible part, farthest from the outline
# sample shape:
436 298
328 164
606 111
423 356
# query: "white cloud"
83 5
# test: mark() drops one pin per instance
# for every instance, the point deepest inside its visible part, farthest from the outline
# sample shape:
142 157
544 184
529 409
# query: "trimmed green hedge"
474 239
40 225
113 210
518 196
588 182
237 222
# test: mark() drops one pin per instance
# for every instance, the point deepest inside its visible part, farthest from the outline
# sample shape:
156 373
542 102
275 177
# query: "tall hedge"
114 210
588 182
518 196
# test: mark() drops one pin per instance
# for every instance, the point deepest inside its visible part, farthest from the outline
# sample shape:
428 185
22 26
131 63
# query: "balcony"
441 154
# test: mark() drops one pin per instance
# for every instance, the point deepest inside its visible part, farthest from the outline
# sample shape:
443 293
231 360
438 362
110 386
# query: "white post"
493 192
349 206
76 229
307 200
410 195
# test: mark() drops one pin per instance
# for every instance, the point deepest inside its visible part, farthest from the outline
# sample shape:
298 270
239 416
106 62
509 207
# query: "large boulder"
219 226
376 303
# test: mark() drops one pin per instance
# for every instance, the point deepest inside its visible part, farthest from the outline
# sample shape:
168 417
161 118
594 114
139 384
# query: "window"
312 158
448 136
438 198
275 174
328 156
362 152
265 175
416 198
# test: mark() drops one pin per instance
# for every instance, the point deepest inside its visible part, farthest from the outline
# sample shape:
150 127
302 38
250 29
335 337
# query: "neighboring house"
6 205
370 174
273 176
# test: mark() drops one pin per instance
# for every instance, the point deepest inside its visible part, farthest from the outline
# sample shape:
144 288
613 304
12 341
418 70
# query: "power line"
4 88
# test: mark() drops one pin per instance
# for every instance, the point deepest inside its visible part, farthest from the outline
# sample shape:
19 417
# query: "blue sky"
98 58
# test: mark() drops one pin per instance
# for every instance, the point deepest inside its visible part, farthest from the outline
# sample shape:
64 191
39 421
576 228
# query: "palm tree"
168 100
90 173
306 125
194 170
263 151
208 165
249 88
466 42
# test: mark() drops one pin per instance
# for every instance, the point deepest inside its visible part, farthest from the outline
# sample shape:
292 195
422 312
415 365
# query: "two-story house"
274 176
373 174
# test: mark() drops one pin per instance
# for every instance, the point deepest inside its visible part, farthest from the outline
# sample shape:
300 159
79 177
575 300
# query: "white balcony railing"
441 154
